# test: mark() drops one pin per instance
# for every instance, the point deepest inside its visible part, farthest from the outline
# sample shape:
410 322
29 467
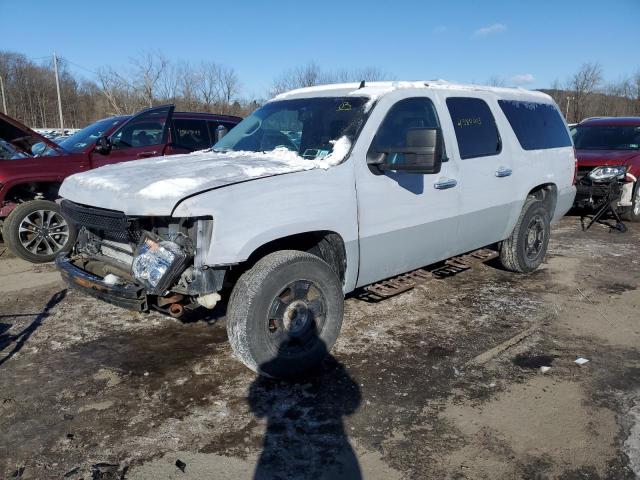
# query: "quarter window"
192 134
475 127
536 125
405 115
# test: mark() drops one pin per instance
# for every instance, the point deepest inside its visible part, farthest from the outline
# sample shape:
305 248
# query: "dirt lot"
439 382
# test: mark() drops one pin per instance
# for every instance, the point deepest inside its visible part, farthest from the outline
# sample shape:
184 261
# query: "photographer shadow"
305 436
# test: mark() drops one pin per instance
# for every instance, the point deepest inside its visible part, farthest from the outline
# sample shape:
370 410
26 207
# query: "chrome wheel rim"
534 239
296 317
43 232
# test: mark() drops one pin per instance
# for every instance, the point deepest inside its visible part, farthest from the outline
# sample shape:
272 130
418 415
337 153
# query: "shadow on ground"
18 340
305 436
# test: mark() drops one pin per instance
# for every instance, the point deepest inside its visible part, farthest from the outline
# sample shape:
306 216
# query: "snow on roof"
375 90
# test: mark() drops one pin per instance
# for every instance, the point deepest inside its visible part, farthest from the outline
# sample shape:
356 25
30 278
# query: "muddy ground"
440 382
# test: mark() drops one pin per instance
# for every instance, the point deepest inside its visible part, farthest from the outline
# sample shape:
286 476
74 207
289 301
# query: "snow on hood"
153 186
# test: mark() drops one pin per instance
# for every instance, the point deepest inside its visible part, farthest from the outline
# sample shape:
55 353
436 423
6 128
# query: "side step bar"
402 283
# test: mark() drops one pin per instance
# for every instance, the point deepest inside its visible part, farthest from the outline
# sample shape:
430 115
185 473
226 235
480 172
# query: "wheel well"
547 193
325 244
33 191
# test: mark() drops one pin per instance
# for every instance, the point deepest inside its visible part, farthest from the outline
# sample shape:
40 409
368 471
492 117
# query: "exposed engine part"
176 310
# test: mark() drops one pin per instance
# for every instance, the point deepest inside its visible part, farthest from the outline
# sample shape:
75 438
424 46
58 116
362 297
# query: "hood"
21 136
605 158
154 186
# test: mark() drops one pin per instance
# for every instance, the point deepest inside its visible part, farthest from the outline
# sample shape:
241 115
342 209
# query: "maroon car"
608 148
32 167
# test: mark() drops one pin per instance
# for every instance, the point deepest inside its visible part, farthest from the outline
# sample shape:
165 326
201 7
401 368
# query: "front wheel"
632 213
37 231
285 313
525 249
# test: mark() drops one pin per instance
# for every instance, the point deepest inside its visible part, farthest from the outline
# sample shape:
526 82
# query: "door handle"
503 172
444 184
147 154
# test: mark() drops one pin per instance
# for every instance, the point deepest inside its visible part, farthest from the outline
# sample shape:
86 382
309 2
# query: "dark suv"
609 148
33 167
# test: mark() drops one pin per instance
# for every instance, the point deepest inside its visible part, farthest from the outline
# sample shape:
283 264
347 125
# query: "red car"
609 148
32 167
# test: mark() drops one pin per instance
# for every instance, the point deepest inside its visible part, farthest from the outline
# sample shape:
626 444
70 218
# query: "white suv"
321 191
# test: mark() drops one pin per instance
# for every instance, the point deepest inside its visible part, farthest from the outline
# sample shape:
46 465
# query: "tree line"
152 79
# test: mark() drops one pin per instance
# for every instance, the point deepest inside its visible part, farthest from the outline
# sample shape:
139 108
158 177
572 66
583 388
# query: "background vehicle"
376 181
33 226
610 146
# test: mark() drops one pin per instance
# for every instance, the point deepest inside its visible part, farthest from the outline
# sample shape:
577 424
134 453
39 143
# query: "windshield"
88 135
9 152
306 126
607 137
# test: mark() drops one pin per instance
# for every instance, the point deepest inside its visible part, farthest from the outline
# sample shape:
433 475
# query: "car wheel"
632 213
526 248
285 313
37 231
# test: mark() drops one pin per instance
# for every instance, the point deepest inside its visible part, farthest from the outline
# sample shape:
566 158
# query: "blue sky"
531 43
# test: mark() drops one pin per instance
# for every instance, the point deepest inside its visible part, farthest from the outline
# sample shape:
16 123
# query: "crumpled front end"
141 262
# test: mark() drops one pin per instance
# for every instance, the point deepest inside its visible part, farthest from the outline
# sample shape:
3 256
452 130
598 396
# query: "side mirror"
422 153
221 131
103 145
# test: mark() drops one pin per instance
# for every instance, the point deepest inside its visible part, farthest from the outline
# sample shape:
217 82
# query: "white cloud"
440 29
490 30
522 79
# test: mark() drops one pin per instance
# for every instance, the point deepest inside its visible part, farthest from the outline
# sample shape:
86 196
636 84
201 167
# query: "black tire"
273 328
525 249
632 213
37 231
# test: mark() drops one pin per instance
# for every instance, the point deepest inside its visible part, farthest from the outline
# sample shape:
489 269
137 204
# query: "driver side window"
404 116
144 130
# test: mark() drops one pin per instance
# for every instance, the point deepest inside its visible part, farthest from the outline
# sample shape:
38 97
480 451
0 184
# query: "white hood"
154 186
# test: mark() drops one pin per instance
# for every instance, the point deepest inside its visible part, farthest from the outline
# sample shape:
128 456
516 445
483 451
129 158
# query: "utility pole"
566 116
55 68
4 100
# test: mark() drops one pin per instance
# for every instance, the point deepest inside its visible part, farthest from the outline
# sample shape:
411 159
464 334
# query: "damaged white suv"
321 191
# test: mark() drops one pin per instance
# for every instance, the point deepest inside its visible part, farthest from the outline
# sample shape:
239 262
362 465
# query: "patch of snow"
112 279
632 443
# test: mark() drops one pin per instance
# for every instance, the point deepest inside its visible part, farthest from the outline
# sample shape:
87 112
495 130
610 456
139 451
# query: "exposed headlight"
608 173
156 264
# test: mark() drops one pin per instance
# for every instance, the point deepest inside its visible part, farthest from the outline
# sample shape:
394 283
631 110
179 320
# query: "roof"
588 122
378 89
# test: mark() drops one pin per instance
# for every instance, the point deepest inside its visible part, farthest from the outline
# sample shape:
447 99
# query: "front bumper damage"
127 295
141 263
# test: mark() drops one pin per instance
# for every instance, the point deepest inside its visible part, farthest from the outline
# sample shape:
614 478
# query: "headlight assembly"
608 173
157 263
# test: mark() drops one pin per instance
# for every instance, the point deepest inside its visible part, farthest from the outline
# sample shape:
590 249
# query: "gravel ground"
443 381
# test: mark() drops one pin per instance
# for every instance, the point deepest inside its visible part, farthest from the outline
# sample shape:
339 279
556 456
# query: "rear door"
189 135
487 190
143 135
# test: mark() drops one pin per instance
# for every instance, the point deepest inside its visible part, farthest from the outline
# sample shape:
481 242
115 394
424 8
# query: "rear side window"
192 134
537 125
475 127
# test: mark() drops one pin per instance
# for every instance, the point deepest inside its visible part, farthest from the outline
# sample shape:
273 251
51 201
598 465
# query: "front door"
406 220
143 135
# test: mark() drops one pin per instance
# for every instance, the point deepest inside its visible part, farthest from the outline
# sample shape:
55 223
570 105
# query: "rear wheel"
37 231
632 213
285 313
526 248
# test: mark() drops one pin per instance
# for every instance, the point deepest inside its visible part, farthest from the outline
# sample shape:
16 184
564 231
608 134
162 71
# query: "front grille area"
110 224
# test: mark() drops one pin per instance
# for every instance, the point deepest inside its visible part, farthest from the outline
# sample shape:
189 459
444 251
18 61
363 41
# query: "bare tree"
311 74
583 84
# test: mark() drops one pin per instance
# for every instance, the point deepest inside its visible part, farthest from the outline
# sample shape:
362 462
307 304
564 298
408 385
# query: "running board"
402 283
